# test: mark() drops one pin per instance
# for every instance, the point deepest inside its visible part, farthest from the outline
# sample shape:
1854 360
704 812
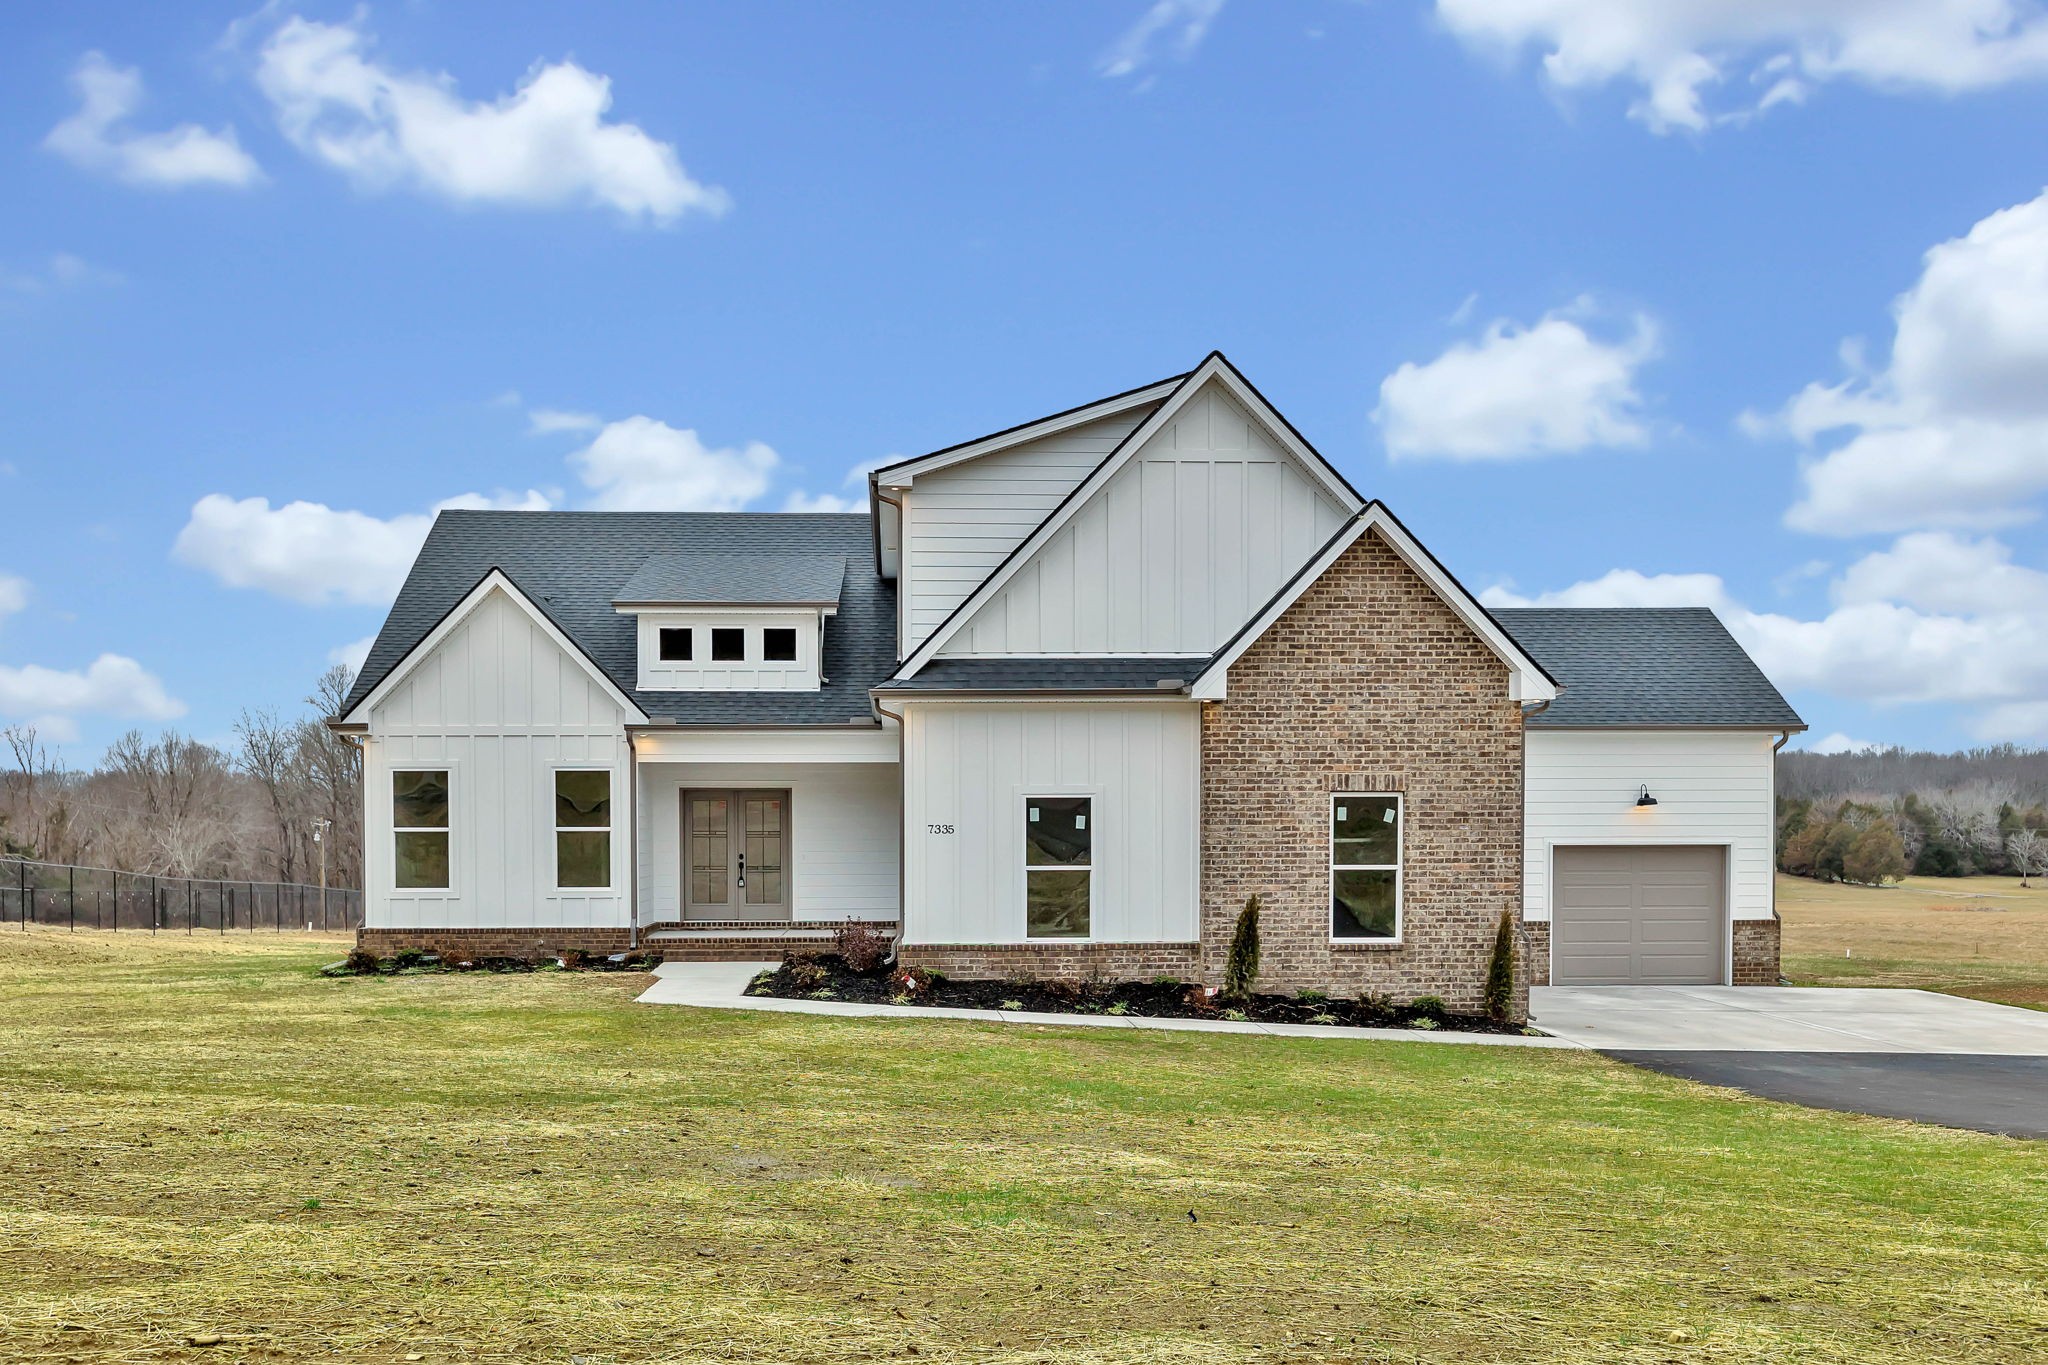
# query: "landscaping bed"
412 962
828 976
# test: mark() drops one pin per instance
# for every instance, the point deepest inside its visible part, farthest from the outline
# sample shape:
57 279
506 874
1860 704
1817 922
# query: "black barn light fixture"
1644 798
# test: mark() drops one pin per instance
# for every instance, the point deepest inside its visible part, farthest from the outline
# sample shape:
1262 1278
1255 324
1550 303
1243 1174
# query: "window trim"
795 645
434 765
1091 796
689 654
1398 867
611 830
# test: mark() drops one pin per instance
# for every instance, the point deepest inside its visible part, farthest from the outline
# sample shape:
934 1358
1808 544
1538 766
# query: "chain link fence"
61 896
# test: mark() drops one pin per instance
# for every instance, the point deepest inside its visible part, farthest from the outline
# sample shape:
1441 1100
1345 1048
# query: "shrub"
1236 1016
1166 982
1430 1007
1425 1022
804 973
1878 856
1500 970
360 960
861 948
1121 1007
405 958
1241 968
1009 1004
1306 997
1322 1018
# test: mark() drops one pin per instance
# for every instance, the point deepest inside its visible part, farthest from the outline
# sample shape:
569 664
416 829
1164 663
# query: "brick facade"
1756 952
1537 933
1368 683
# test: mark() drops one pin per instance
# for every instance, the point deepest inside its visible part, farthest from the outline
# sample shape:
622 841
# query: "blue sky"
1724 303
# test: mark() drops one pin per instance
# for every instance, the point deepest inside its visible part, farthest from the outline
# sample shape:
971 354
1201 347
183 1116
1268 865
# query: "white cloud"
1770 51
311 553
1547 389
61 271
1934 618
353 653
1167 28
95 138
853 499
1954 431
545 144
1838 743
639 464
111 685
13 595
549 421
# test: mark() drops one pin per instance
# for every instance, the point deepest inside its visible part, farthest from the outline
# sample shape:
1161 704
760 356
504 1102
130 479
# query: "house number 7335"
940 829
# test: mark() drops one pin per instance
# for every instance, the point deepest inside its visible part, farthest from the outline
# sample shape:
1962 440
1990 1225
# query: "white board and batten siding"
963 521
1171 556
969 767
845 826
500 706
1712 787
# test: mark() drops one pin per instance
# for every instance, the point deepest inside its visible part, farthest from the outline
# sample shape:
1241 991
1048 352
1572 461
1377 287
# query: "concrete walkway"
1785 1019
722 985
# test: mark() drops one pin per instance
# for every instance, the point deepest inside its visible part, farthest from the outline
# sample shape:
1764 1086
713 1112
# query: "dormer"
732 622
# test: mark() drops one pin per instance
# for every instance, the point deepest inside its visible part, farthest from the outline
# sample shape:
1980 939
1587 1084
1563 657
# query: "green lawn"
200 1137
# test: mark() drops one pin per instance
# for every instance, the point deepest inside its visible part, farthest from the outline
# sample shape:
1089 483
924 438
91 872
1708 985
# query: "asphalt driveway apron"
1895 1053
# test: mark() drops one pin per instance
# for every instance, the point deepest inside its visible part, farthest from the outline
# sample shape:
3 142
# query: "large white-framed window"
1365 867
419 829
583 827
1059 865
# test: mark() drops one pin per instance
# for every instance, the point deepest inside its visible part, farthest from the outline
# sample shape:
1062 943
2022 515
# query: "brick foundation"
1368 683
1537 933
1057 961
494 942
1756 952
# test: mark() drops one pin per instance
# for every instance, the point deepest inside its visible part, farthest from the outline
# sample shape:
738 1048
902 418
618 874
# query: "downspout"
1784 738
902 839
633 857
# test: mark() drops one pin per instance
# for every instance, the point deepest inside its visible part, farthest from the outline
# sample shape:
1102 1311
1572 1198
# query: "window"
419 829
728 644
675 644
1365 866
778 645
1058 864
583 827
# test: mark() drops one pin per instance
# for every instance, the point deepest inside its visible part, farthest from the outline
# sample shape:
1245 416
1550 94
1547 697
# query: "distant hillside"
2009 768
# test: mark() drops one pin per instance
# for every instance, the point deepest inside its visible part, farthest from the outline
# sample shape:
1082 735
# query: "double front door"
735 855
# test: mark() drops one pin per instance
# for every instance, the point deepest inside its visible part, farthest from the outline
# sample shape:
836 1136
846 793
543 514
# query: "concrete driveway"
1900 1054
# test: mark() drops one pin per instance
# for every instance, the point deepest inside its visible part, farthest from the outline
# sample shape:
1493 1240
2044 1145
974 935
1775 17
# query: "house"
1058 704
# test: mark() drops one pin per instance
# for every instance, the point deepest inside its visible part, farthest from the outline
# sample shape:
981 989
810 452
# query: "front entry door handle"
743 869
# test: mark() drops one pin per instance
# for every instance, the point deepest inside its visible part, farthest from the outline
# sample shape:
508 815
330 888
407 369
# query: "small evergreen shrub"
1430 1007
1311 997
1241 968
1500 970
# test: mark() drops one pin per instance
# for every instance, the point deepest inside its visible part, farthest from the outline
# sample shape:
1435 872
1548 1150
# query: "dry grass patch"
1978 936
204 1139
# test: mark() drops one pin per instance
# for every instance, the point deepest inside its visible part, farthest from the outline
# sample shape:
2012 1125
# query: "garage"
1639 915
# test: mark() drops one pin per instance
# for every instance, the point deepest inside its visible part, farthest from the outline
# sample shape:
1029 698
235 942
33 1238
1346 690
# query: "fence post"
24 896
74 900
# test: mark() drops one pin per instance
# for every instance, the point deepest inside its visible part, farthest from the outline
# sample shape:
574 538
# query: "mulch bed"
412 962
804 976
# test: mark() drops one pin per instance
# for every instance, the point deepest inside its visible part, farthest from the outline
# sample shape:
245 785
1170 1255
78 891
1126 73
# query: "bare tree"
271 757
2025 848
333 765
181 790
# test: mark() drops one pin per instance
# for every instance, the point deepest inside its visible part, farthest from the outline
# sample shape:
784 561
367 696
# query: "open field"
1975 936
201 1137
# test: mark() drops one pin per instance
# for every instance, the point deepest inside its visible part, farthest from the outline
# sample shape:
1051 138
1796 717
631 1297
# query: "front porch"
757 843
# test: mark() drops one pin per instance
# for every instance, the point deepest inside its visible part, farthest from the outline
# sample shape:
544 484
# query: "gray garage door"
1629 915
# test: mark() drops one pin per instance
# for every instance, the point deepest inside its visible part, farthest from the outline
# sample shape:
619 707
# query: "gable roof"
904 472
1528 680
1214 367
728 579
570 564
1647 667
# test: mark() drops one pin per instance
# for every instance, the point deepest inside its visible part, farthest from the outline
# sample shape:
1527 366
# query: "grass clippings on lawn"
202 1137
1985 937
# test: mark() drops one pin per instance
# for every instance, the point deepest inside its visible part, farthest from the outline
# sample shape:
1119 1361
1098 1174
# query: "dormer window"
732 622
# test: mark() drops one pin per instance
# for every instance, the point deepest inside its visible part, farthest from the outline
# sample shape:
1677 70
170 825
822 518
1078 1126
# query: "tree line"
174 806
1880 814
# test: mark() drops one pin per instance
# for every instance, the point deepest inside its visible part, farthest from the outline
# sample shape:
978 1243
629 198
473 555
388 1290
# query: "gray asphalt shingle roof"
572 564
1646 666
736 579
1049 675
